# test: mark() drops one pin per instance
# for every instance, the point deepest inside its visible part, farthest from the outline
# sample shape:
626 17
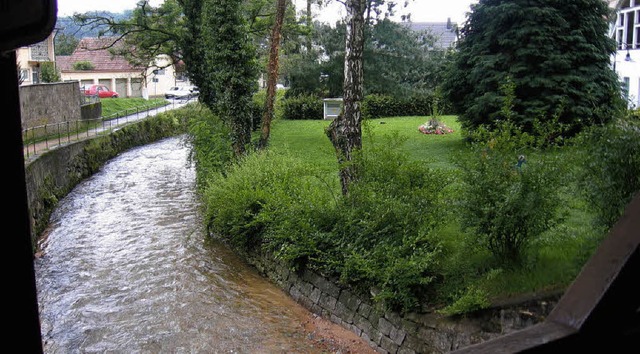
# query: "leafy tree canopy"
65 44
555 53
397 61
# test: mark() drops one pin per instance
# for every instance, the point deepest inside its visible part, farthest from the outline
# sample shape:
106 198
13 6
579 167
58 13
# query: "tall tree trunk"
272 74
345 132
309 25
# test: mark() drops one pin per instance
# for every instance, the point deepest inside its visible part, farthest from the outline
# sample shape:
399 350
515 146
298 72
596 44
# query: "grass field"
122 106
307 137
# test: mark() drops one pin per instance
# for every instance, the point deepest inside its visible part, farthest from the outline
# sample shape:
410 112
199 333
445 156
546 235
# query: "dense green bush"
378 106
83 65
373 106
612 168
249 200
375 240
511 193
302 107
210 141
257 107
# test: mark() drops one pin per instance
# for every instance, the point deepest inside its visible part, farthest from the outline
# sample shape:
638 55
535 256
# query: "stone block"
417 344
364 310
315 295
316 309
327 302
397 335
306 288
355 329
406 351
335 319
306 302
311 277
344 313
349 300
387 344
363 324
295 293
384 326
394 318
381 351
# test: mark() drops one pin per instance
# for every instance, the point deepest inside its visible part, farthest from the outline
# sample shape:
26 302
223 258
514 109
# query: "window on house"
24 74
636 37
628 26
625 88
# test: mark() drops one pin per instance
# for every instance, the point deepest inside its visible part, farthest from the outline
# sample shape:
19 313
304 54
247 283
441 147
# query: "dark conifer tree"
556 53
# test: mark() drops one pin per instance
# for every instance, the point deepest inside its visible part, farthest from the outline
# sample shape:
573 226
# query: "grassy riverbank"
120 107
433 222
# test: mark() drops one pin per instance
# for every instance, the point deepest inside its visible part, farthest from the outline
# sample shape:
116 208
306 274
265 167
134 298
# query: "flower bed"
434 127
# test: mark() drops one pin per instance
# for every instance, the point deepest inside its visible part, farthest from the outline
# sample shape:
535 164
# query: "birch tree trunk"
272 74
345 132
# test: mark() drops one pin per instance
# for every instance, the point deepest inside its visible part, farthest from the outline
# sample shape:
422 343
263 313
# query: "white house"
116 72
626 60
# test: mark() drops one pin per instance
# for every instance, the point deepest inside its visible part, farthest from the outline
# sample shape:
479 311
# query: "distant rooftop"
94 50
445 33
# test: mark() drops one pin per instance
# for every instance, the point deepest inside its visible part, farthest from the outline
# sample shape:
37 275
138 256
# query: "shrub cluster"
510 194
302 107
612 168
376 240
210 141
373 106
257 107
378 106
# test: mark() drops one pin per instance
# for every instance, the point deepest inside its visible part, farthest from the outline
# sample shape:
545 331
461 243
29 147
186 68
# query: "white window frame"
25 75
626 14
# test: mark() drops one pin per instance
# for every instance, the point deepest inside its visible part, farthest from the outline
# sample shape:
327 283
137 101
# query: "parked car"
182 92
101 91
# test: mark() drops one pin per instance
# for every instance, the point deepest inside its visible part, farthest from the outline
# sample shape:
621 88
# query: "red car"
101 90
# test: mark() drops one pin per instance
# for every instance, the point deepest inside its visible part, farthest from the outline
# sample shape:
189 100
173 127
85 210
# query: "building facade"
626 60
93 63
30 58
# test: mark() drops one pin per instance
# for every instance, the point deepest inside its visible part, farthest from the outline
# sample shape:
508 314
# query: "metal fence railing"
42 138
87 99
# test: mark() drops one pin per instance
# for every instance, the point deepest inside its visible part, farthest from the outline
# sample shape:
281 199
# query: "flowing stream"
126 268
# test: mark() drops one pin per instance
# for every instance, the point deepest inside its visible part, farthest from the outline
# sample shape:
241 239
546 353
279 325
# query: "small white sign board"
332 107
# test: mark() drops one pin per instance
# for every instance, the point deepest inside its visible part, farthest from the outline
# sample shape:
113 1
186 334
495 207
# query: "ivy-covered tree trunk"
227 72
345 132
272 74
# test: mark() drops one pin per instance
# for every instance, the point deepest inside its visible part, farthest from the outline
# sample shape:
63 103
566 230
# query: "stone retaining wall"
390 332
50 103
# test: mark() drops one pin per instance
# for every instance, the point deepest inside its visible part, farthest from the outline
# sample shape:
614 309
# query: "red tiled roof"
96 51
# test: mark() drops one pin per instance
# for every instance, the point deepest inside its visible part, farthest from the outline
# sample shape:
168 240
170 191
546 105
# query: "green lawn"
307 138
119 107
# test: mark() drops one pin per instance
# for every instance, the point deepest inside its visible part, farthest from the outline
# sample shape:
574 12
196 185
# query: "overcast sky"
421 10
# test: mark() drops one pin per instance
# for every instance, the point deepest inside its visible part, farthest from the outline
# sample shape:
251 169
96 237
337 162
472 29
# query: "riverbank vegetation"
452 222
